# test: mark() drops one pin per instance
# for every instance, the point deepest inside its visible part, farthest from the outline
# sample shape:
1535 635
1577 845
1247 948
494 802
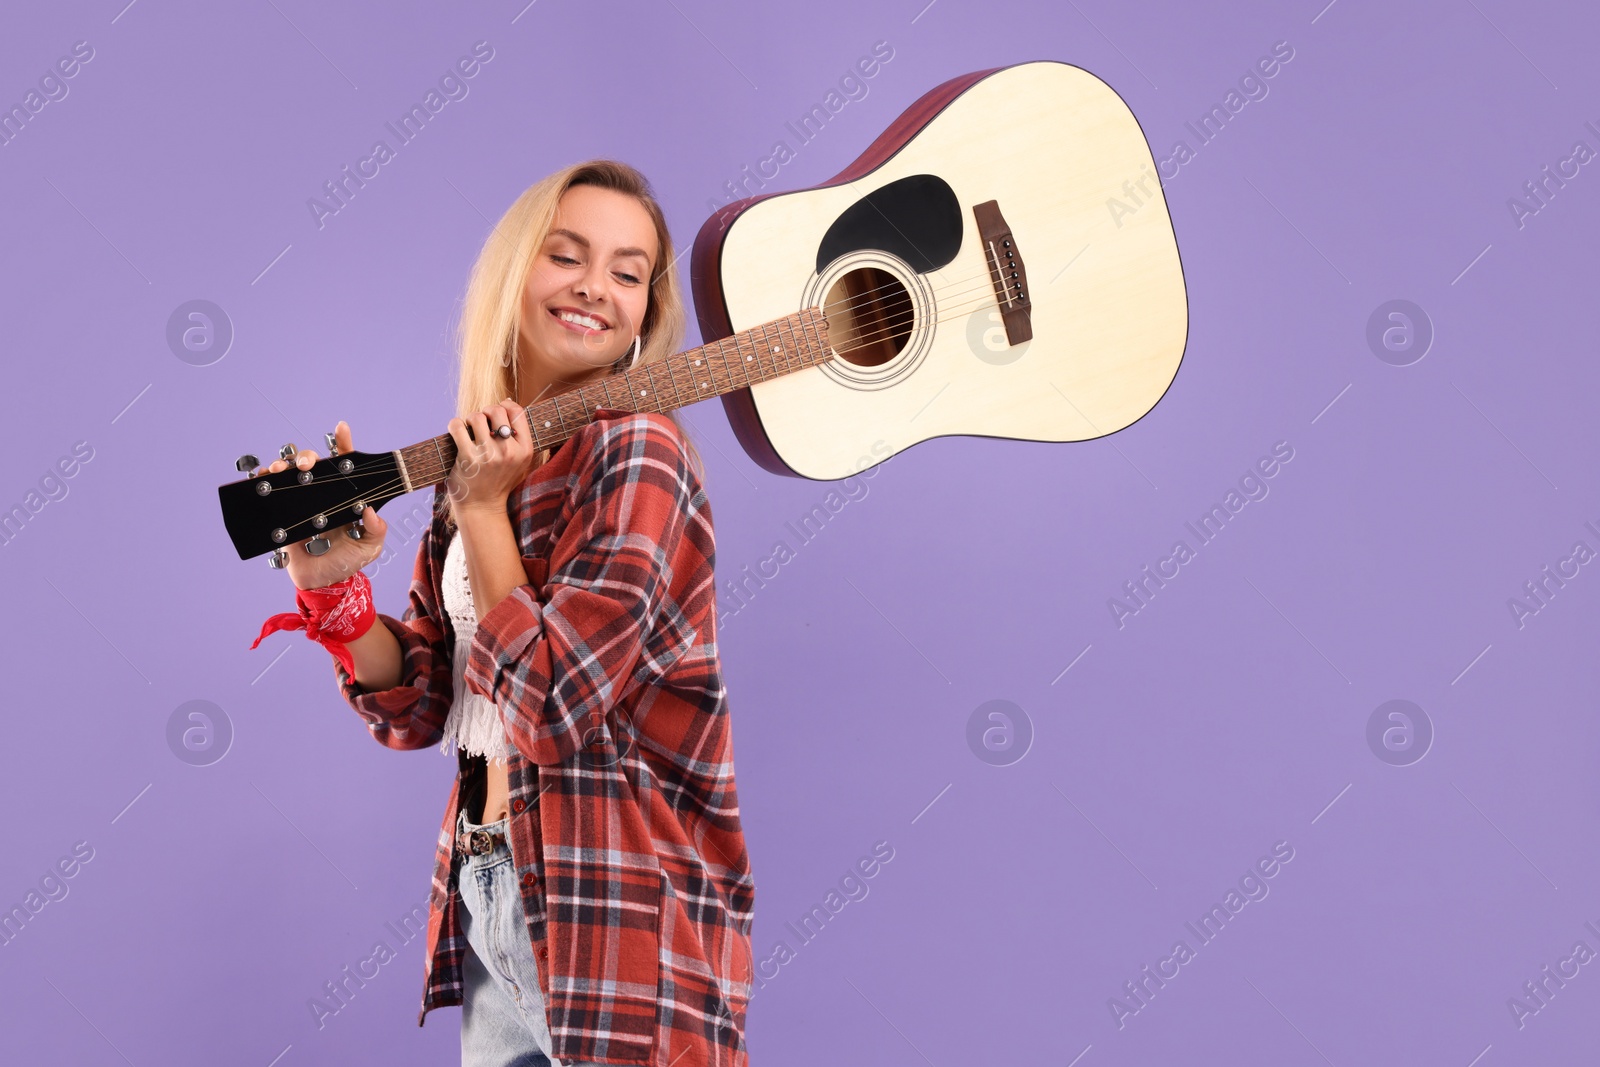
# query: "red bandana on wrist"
330 615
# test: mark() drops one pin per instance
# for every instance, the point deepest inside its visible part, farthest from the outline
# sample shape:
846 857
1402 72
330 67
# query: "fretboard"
772 350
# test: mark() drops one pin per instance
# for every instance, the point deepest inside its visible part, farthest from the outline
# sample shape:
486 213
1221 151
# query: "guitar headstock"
269 512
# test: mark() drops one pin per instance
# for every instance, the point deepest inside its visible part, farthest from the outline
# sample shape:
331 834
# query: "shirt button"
544 954
518 805
529 881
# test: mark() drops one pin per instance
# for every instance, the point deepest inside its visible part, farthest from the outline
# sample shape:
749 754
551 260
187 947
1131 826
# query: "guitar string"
855 304
853 342
385 488
861 340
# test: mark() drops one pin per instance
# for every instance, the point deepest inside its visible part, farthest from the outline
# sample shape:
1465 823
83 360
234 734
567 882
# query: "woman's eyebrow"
584 241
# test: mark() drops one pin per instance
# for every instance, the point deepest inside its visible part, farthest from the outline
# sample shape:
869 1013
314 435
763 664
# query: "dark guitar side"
705 264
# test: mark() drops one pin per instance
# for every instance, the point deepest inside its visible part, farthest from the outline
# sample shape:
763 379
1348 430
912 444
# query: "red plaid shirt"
624 820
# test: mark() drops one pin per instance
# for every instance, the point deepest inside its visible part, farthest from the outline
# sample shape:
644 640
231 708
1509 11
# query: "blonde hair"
491 312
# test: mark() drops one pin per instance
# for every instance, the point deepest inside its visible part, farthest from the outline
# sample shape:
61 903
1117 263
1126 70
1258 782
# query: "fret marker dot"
547 422
643 391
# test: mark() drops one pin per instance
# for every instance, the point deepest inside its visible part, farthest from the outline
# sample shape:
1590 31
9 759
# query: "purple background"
1229 714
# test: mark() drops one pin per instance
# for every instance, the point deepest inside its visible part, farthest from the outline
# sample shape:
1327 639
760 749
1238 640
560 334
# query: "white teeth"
581 320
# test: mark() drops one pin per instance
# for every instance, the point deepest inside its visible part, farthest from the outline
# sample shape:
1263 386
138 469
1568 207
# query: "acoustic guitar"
1000 262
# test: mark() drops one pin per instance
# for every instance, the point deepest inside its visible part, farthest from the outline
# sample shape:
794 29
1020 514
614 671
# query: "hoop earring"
637 338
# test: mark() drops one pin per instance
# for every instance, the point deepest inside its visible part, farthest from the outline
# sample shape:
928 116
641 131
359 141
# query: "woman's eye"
563 259
628 278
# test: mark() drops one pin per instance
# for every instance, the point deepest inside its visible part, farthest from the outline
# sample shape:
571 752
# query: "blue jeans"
503 1021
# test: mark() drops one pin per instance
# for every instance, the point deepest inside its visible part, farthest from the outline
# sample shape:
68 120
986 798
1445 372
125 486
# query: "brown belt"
479 842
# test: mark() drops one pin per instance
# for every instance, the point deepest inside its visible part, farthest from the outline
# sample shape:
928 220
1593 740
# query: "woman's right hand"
345 554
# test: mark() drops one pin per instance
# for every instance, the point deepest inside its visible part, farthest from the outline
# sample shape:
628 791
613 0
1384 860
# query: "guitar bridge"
1006 271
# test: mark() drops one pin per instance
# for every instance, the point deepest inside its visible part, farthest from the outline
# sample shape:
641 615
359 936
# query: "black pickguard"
917 218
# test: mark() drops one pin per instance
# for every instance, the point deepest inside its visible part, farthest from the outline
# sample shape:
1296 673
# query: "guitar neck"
771 350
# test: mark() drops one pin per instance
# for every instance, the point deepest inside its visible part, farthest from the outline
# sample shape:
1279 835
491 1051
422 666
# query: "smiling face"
587 290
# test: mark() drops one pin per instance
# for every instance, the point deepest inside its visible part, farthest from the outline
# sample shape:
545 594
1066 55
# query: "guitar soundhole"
870 316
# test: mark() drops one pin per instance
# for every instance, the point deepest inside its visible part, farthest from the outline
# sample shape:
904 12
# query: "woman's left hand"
488 467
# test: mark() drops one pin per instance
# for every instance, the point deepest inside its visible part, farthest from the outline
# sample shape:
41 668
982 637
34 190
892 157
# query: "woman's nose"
592 285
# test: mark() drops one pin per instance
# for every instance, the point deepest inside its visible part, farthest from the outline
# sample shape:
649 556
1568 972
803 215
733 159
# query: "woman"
592 897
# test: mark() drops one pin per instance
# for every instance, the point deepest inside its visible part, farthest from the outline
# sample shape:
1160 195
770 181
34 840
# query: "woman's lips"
573 326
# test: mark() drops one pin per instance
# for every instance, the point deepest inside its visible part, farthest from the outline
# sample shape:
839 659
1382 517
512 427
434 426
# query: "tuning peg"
279 559
246 463
318 545
333 445
355 531
287 451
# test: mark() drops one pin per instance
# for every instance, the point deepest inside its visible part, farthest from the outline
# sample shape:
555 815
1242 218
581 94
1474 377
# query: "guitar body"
897 251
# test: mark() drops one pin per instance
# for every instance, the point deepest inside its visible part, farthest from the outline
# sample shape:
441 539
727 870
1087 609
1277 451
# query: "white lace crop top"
474 724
